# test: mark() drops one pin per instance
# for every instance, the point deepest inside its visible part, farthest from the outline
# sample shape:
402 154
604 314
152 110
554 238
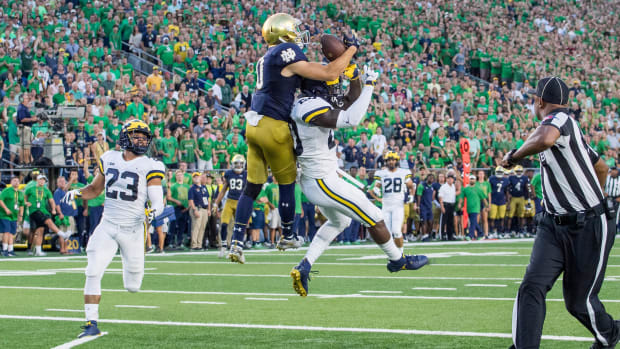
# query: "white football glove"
369 76
150 214
71 195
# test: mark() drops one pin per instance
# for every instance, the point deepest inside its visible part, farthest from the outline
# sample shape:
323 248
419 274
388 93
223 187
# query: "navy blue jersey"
518 186
236 183
199 195
436 187
275 93
499 189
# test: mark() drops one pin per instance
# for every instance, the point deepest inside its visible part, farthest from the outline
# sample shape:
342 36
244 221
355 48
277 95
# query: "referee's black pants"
447 221
581 253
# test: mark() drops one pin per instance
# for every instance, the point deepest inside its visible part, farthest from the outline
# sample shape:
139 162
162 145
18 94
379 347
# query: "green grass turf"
343 274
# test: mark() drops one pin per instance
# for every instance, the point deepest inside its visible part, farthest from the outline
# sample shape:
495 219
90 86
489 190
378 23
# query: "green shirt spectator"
13 199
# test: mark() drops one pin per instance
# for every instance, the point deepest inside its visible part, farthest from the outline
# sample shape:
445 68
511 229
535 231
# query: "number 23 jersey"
126 186
319 158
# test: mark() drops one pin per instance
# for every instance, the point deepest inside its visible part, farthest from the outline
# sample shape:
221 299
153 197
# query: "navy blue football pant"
181 225
473 225
297 221
309 217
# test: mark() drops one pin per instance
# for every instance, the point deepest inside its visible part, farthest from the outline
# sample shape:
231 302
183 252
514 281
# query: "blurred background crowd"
72 71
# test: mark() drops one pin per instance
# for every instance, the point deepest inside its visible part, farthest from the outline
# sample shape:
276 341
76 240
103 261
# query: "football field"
463 299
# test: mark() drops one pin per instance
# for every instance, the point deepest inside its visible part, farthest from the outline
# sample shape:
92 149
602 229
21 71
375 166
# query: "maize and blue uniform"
499 192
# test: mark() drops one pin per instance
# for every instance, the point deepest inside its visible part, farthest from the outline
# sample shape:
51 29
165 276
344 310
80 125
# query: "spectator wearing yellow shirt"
153 81
181 48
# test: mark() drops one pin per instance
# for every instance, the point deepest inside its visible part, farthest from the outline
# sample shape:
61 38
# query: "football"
332 46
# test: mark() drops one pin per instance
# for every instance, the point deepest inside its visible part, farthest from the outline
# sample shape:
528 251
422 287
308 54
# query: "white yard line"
435 288
67 310
385 292
485 285
137 306
76 342
300 328
202 302
265 299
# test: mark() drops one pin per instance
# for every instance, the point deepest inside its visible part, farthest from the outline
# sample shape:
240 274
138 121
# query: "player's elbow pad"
156 196
355 113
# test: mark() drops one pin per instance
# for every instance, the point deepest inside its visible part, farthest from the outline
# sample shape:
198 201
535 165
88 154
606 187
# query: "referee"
612 192
575 233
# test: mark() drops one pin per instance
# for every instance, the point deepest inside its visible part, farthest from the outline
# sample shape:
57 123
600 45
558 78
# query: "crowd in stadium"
448 70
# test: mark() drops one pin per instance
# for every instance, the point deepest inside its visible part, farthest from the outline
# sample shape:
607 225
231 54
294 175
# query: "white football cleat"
236 254
292 242
222 253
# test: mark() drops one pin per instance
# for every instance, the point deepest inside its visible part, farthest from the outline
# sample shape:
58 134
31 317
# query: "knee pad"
132 281
252 190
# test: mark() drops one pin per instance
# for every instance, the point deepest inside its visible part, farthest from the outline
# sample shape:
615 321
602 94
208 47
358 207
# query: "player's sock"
10 247
38 249
286 208
5 247
92 312
242 217
391 250
323 237
223 233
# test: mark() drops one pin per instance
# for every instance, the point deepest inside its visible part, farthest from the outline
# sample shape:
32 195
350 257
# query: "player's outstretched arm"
352 116
92 190
318 71
156 196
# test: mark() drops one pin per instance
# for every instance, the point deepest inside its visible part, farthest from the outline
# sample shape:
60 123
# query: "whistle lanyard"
41 197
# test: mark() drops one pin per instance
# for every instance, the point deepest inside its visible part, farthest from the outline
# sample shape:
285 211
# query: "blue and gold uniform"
499 192
518 192
236 183
269 142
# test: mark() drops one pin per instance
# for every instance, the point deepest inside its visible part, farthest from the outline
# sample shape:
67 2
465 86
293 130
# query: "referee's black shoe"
598 345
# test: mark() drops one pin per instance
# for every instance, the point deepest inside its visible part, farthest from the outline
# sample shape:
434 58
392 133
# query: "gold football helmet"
238 163
283 27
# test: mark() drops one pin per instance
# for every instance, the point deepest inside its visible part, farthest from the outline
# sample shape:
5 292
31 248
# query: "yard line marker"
435 288
201 302
265 299
386 292
76 342
511 299
137 306
485 285
67 310
299 328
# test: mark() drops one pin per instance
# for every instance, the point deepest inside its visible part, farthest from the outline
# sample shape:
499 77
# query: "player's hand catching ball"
351 72
370 76
351 41
71 195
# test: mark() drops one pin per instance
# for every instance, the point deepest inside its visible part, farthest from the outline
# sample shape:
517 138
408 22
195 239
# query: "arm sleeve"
288 53
355 113
558 121
156 196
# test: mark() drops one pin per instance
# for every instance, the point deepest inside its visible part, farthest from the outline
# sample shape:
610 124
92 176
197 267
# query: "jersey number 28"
132 185
389 188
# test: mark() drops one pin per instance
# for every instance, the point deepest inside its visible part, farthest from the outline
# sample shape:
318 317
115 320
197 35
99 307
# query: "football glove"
71 195
370 76
351 72
351 40
150 214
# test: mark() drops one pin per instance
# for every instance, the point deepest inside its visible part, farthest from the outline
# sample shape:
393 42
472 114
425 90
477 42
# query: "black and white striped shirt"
569 181
612 186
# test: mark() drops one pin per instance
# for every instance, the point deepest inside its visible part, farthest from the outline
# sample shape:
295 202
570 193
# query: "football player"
519 189
234 182
392 183
340 201
499 195
129 179
270 144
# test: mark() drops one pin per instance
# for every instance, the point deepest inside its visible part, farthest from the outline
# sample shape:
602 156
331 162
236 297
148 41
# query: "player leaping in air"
270 144
316 117
129 179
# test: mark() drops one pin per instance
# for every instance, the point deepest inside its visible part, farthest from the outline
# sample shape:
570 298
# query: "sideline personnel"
575 233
